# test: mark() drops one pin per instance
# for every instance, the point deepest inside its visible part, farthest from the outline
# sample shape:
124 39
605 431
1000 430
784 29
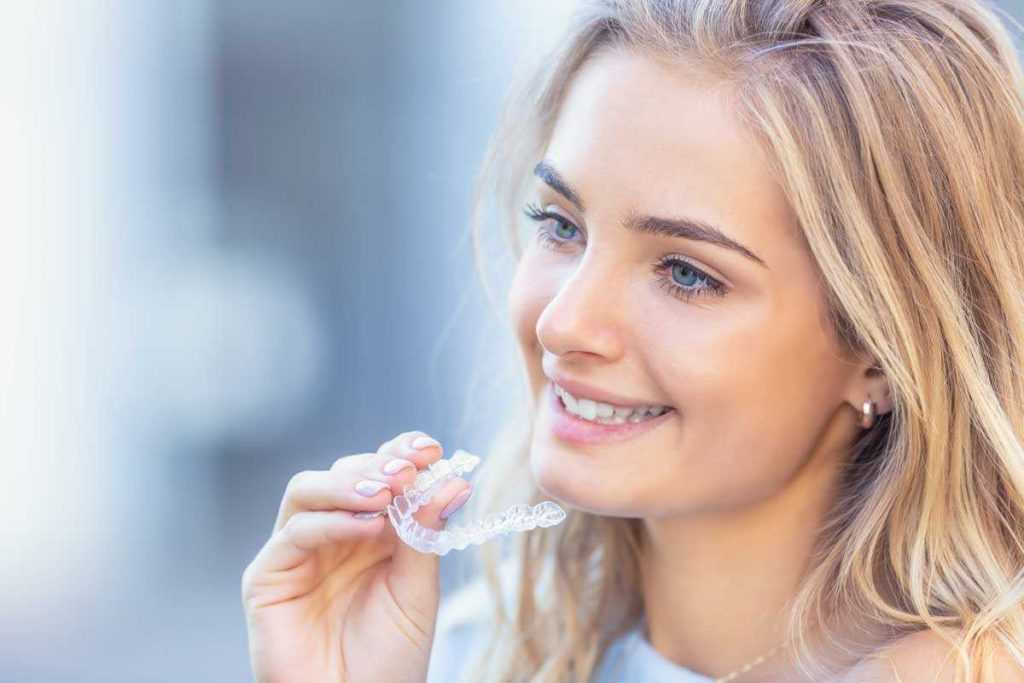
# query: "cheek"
528 295
756 390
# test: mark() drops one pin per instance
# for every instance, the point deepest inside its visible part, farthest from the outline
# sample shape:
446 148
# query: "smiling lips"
606 413
579 429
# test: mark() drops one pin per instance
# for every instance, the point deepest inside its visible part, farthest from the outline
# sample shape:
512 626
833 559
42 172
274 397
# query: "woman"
771 322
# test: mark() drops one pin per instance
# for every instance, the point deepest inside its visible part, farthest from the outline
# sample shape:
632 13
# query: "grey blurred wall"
233 249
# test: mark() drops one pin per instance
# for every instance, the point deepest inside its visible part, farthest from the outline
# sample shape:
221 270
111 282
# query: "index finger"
416 446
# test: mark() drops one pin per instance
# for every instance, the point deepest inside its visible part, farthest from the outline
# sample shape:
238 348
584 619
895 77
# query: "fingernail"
368 487
455 503
368 515
423 442
396 465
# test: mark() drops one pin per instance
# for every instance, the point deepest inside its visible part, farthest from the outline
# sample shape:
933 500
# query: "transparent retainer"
519 517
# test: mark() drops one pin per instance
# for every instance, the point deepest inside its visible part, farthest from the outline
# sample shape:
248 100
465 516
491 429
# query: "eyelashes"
674 265
667 268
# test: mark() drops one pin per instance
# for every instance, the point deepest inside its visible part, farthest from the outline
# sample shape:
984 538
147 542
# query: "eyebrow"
685 228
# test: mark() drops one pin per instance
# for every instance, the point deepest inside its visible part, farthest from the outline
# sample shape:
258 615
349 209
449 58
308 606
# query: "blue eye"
676 275
686 281
563 231
563 227
680 271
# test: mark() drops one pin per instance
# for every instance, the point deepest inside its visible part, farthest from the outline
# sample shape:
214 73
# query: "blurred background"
233 248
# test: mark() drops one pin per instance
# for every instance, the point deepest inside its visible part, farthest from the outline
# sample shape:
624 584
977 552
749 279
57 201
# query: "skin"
329 592
733 484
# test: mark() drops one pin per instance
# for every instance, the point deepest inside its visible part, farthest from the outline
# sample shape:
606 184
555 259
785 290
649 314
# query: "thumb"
415 576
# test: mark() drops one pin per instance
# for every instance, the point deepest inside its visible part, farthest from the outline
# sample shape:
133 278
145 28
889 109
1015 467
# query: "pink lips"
576 430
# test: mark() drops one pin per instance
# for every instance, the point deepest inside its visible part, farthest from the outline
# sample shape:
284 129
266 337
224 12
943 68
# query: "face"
731 340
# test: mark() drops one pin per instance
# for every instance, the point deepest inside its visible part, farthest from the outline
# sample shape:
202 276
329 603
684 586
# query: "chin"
560 477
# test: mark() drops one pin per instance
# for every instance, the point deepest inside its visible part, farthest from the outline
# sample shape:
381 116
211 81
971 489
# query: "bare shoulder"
923 657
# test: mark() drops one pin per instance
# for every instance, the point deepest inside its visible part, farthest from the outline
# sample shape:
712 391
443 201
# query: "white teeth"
588 409
597 411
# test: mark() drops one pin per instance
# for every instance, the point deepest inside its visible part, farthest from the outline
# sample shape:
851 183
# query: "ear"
870 383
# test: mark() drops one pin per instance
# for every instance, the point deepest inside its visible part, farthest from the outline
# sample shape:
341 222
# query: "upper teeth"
596 411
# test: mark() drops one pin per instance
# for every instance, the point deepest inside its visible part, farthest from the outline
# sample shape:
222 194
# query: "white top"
630 659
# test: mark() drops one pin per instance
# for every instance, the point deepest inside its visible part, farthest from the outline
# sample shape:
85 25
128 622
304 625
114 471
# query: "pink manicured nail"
455 503
397 465
368 487
423 442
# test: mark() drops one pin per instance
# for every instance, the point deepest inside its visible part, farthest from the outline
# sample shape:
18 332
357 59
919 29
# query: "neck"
716 585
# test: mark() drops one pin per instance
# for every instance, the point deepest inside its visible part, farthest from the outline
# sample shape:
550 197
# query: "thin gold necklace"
747 667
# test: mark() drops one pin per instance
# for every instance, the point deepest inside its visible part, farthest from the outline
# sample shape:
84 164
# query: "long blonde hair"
896 129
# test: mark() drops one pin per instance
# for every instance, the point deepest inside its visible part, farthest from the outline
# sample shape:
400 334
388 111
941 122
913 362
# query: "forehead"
635 133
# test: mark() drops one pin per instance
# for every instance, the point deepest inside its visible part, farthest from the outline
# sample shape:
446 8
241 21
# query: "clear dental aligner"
516 518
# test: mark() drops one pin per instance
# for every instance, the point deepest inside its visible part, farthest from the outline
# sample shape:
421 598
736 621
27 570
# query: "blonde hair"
896 129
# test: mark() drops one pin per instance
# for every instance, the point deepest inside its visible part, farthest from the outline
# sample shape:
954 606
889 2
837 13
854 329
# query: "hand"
332 598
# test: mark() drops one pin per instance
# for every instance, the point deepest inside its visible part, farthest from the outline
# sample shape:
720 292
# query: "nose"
584 316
